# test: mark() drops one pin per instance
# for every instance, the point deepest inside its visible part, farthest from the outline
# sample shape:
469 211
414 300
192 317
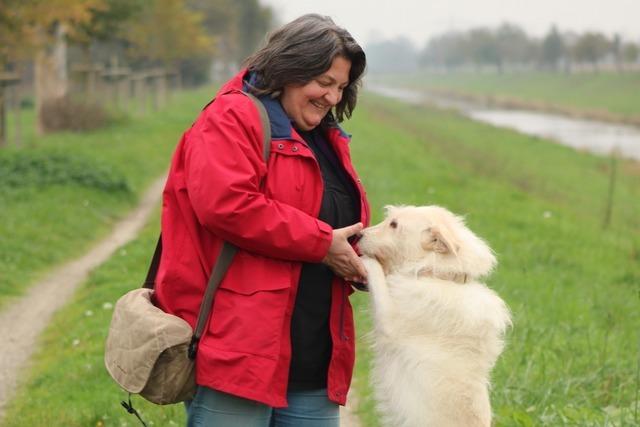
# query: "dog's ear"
440 240
388 209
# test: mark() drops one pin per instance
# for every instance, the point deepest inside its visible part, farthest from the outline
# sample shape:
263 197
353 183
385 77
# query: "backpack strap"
226 253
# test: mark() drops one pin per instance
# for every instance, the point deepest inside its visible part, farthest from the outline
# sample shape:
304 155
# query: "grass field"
572 358
574 287
60 192
605 94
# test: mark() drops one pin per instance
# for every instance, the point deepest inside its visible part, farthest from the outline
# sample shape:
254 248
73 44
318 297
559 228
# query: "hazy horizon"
419 20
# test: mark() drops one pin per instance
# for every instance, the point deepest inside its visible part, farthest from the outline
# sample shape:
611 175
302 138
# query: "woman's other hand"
342 259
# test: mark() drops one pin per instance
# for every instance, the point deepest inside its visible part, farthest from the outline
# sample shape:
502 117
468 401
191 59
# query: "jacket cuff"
326 237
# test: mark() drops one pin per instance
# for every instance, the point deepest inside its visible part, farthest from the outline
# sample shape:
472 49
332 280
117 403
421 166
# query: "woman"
279 346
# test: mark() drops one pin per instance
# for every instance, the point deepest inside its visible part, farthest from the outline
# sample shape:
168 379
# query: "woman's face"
307 104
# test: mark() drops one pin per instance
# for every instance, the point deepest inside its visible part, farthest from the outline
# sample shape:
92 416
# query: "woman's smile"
309 103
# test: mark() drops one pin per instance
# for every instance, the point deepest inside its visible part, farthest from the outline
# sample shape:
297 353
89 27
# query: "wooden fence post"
6 80
88 76
158 81
17 111
3 118
139 80
114 78
615 153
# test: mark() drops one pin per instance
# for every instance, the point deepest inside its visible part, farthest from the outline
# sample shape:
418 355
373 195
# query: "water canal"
590 135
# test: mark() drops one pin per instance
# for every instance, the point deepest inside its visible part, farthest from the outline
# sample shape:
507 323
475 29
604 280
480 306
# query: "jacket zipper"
343 306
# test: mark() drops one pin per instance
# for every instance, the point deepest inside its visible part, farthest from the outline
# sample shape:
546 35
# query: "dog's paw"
372 265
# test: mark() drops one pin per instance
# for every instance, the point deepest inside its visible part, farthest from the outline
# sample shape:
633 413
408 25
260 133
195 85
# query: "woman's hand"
342 259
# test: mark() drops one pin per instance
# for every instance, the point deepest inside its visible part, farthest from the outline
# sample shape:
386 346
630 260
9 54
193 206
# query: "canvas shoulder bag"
152 353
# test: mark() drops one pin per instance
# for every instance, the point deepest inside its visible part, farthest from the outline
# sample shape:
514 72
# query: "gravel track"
22 321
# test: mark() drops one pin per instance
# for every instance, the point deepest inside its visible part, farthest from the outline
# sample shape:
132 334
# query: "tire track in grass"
22 321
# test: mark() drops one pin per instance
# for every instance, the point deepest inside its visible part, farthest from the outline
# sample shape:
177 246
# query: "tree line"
504 47
140 32
48 38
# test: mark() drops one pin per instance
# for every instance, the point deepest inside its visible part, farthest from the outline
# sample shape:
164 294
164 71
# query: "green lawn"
572 358
574 287
606 93
68 384
59 193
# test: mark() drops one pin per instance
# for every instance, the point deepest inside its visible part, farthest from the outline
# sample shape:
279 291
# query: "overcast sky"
368 20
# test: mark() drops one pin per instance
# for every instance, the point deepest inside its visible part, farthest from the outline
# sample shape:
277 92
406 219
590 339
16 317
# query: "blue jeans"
211 408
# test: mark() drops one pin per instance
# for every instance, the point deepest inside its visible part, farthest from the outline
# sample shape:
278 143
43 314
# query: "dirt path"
22 321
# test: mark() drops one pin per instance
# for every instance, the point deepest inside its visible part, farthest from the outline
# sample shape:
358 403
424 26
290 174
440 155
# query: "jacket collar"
281 124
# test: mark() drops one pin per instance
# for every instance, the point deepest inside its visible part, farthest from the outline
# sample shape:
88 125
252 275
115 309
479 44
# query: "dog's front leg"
381 299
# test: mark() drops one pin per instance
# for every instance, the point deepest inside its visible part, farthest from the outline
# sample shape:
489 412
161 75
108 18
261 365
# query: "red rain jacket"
215 191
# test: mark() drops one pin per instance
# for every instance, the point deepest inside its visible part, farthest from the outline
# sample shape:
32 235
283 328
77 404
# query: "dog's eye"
393 223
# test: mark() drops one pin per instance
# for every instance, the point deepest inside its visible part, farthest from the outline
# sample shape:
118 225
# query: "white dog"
438 331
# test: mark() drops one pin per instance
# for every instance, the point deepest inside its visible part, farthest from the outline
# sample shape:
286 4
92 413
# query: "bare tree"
630 53
553 49
591 48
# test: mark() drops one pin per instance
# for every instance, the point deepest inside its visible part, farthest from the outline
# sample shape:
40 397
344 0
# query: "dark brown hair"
302 50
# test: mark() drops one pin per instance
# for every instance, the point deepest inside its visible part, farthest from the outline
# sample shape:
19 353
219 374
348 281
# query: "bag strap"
150 281
226 253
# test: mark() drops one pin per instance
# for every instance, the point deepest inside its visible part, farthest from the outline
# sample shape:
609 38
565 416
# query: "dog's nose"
355 238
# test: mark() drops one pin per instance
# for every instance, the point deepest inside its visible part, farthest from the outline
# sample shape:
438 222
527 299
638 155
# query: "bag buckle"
193 348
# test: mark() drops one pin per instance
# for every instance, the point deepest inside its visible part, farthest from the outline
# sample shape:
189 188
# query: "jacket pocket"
250 274
250 307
